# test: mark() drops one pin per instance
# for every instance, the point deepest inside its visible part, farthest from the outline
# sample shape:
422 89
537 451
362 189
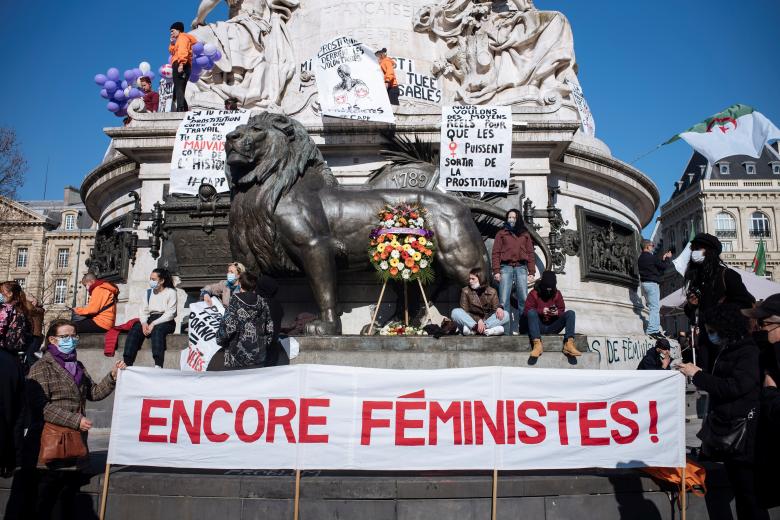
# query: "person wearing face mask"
513 262
709 282
479 312
156 318
546 313
767 337
58 387
15 334
224 289
728 433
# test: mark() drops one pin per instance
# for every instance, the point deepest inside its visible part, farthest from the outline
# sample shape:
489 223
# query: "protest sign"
350 83
202 335
166 96
329 417
199 150
476 148
587 123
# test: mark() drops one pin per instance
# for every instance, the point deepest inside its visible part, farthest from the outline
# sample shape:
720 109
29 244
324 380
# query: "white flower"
423 264
389 223
405 274
384 265
420 222
412 240
395 253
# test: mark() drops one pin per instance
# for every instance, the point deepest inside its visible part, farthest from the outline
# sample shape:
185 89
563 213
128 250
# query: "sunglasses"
762 323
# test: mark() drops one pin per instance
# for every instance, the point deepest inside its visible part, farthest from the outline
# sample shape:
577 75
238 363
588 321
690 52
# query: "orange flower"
404 255
415 269
376 257
414 215
409 262
384 256
388 248
428 252
394 271
381 238
402 221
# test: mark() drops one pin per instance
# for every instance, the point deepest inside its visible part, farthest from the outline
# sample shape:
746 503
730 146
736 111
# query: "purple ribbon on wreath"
405 231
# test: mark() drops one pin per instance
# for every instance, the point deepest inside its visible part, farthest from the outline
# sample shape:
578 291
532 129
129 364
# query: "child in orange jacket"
181 63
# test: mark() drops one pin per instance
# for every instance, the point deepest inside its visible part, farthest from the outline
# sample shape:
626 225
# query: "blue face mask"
153 284
2 298
714 338
67 345
231 278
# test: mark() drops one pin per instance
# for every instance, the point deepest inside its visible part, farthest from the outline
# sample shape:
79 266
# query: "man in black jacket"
658 357
650 270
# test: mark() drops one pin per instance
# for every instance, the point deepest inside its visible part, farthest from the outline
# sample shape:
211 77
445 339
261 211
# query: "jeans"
518 275
135 338
653 296
180 80
536 328
464 319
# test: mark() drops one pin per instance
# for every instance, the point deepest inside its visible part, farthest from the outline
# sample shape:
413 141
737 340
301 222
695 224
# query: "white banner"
202 335
587 123
329 417
626 352
199 150
476 148
350 83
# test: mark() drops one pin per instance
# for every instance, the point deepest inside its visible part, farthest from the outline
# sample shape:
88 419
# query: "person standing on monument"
513 264
651 267
387 64
480 311
156 318
546 313
151 98
181 62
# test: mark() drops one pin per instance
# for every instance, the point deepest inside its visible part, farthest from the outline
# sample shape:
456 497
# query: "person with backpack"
99 314
246 331
156 318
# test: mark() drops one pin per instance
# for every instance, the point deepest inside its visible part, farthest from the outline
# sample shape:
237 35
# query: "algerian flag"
681 262
738 130
759 261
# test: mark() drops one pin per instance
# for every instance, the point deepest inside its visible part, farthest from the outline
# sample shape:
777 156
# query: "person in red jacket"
547 314
151 98
181 62
387 64
513 264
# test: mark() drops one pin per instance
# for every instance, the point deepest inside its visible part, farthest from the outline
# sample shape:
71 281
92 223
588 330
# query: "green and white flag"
738 130
759 261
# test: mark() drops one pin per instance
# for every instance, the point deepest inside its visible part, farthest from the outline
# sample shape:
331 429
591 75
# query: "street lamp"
78 261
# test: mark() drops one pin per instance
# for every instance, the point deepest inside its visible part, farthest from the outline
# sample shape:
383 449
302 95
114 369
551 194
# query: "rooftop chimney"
72 196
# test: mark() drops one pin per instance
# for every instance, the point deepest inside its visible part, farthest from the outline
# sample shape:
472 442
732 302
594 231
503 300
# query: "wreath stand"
406 305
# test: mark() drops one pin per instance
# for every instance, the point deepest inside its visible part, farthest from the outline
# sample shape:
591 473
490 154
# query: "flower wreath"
401 248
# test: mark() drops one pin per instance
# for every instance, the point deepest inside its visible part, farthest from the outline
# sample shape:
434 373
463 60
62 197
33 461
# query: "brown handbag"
60 443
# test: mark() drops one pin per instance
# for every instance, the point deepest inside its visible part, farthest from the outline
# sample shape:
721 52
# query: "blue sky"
648 69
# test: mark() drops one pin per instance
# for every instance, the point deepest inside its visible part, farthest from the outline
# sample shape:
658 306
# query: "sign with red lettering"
199 149
328 417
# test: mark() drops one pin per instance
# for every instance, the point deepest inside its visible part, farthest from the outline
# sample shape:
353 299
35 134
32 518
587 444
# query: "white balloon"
127 91
145 67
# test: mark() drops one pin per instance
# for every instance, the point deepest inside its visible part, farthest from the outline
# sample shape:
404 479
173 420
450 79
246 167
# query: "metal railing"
726 233
759 233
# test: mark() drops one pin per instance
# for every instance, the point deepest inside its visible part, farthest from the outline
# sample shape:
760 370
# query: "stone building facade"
45 246
737 199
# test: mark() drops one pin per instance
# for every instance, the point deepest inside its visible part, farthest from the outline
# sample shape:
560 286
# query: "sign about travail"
199 150
476 148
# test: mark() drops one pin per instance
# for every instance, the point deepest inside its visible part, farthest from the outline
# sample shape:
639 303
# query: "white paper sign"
199 150
588 124
329 417
202 335
476 148
166 96
350 83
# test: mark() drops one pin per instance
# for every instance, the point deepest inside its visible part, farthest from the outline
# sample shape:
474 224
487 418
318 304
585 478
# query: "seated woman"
480 311
224 289
156 318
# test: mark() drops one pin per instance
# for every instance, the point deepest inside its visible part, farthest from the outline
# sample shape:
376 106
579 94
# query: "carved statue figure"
500 53
257 61
289 213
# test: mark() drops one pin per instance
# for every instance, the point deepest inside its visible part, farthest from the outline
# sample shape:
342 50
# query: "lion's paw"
323 328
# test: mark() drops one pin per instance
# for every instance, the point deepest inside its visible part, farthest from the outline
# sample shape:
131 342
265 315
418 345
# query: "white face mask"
697 256
474 285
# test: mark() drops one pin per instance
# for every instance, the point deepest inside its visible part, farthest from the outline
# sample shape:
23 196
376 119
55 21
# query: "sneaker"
467 331
537 349
570 349
158 366
498 330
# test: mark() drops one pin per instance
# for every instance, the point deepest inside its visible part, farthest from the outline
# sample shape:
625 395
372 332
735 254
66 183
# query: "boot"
537 349
570 349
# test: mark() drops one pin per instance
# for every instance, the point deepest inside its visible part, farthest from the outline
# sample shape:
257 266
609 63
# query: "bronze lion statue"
289 214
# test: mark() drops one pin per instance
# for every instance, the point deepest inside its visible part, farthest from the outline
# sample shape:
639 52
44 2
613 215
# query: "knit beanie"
179 26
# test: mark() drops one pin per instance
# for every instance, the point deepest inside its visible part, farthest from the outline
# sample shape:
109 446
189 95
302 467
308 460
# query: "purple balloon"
217 56
113 74
119 95
104 93
135 93
137 73
209 49
150 74
202 61
110 86
194 78
197 48
122 112
112 107
128 75
124 84
100 79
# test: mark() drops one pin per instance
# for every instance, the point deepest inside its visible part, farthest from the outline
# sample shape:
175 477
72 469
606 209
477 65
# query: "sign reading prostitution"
327 417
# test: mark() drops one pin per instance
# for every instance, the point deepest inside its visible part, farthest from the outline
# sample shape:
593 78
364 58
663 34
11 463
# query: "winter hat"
179 26
663 344
549 280
767 310
708 241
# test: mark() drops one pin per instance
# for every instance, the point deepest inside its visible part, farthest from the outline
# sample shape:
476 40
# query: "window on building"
21 257
724 168
768 275
21 281
725 225
750 167
759 225
62 258
60 290
70 222
775 167
672 239
727 246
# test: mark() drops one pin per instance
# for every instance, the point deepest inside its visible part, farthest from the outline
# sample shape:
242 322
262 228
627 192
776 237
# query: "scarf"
68 362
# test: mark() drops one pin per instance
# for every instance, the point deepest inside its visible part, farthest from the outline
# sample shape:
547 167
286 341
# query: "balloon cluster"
203 58
120 92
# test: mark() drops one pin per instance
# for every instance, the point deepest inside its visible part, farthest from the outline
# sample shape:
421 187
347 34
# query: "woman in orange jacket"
181 63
